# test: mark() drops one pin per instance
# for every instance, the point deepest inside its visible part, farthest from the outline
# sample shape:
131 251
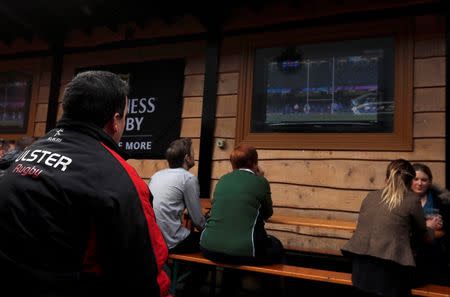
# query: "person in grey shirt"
176 190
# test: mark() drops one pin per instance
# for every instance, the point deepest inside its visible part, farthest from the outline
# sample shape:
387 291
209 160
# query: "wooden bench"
346 225
299 220
278 223
305 273
313 274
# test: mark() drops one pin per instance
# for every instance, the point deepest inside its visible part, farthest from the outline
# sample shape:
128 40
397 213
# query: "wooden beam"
208 112
447 98
55 83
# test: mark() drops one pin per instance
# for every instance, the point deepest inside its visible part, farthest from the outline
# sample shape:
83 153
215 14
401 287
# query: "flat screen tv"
345 86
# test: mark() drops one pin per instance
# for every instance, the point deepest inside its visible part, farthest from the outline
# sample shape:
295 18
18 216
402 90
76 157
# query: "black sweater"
75 217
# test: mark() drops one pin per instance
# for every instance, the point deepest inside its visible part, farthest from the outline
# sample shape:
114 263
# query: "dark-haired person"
75 218
433 259
175 190
10 155
389 220
13 153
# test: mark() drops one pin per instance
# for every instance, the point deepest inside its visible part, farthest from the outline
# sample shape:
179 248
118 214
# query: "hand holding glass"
433 219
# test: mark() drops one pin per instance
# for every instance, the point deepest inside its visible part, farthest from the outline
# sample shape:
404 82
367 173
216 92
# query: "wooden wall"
316 183
326 184
332 184
41 70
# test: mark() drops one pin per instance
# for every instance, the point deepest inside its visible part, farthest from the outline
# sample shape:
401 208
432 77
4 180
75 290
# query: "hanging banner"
155 103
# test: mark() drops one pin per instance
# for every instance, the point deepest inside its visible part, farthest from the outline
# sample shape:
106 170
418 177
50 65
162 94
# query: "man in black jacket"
75 218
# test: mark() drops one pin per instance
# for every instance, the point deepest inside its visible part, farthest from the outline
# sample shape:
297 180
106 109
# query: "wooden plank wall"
326 184
332 184
43 97
41 68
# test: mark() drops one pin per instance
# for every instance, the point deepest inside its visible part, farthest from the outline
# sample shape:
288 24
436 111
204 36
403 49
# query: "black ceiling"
53 19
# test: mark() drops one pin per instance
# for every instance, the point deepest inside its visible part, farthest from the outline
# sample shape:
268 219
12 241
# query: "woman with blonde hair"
389 220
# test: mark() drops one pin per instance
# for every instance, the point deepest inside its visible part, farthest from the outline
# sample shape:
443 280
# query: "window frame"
26 109
400 139
33 68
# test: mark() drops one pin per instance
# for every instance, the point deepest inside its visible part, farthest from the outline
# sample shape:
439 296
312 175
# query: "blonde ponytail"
399 176
394 191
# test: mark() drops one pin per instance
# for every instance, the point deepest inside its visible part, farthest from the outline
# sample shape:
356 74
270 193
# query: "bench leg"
180 273
174 282
212 285
283 286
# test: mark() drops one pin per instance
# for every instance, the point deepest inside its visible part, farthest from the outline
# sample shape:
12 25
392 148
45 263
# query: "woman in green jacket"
241 203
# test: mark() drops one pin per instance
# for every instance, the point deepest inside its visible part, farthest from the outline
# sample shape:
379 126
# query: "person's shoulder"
179 173
160 176
374 194
160 172
190 178
411 200
263 183
261 179
252 176
188 173
440 193
230 177
413 197
230 174
7 160
13 154
372 198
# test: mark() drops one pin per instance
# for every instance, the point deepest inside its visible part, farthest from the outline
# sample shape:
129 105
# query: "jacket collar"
442 193
94 132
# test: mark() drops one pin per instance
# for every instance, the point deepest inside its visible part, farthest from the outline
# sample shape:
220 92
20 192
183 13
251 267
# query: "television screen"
330 87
